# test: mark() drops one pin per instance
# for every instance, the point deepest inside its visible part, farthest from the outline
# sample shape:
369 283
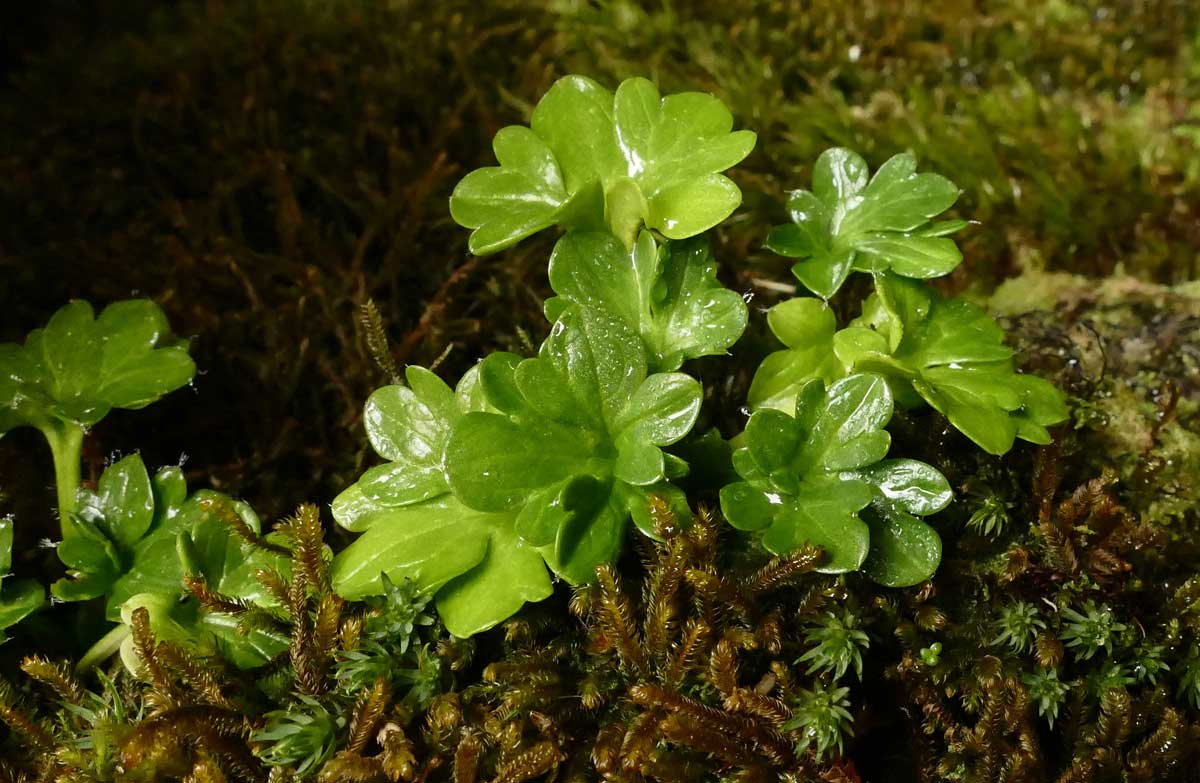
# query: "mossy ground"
263 169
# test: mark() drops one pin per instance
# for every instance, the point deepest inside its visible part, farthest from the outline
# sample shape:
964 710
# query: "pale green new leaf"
669 295
806 327
951 354
594 158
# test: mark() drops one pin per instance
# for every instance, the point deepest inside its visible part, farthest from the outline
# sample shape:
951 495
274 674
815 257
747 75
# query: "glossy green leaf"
582 427
669 295
409 426
6 542
810 477
851 223
661 410
951 354
747 507
496 588
848 432
824 514
806 327
911 486
904 550
79 367
18 597
795 485
521 196
654 161
125 501
496 463
590 540
658 509
473 561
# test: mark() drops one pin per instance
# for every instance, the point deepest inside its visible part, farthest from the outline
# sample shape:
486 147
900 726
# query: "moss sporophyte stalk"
532 470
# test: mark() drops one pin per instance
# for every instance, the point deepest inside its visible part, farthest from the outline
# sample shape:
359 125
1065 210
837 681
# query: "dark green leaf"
904 550
794 485
825 514
125 501
18 598
908 485
78 368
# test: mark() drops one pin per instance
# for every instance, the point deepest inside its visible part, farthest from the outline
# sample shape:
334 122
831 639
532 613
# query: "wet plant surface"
264 172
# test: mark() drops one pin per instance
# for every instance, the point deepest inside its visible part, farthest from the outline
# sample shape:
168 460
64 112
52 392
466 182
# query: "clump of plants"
785 569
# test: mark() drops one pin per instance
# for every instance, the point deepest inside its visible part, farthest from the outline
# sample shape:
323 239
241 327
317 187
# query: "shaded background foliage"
263 169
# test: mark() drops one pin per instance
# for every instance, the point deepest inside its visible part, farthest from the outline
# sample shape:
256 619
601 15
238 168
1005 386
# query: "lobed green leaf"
851 223
812 476
79 367
669 295
597 159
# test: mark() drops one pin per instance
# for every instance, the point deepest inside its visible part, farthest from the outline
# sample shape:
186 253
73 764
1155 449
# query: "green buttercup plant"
592 158
137 538
542 463
849 222
533 466
576 446
414 528
68 375
947 353
128 534
820 476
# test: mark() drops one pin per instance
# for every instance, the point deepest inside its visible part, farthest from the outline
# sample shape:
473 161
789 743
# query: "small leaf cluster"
946 353
594 158
822 717
1091 630
837 645
1047 691
537 465
80 366
128 531
1018 626
821 476
850 222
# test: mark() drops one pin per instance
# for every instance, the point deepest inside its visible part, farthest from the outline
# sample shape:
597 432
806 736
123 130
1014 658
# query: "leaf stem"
66 446
103 649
